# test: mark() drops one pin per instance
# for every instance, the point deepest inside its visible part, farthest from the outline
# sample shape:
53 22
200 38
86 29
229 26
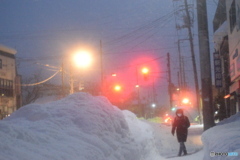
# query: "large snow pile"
144 136
225 137
79 127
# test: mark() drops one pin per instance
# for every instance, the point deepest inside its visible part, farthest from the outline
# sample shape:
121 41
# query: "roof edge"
7 49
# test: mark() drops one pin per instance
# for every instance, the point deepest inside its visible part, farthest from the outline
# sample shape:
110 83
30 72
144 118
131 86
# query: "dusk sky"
132 32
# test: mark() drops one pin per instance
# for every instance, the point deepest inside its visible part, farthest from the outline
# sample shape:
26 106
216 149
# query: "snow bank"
233 118
144 136
79 127
223 138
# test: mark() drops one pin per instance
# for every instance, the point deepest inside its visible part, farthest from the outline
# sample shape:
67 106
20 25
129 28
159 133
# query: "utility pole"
62 79
101 67
169 80
138 94
180 65
71 80
205 65
193 59
184 75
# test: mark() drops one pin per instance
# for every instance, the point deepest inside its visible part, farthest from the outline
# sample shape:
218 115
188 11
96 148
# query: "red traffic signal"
145 72
117 88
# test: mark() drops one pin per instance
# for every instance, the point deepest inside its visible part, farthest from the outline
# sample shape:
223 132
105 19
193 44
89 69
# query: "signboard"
217 70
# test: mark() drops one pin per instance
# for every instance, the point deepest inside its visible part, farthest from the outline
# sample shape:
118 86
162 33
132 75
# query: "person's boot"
184 152
184 149
180 150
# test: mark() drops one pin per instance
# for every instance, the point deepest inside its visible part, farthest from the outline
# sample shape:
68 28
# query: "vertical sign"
217 70
238 15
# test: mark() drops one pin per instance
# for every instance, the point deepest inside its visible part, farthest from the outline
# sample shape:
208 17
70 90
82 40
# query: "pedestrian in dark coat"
181 124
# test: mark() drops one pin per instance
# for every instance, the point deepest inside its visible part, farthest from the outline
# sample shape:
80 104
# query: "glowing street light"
185 101
82 59
153 105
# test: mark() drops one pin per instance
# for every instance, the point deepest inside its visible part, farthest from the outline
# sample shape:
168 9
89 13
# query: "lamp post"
81 59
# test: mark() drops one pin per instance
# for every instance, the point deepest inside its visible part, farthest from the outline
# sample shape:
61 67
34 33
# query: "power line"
143 27
34 84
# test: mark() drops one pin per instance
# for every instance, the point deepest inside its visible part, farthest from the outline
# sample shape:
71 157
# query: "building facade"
233 19
10 82
226 26
221 59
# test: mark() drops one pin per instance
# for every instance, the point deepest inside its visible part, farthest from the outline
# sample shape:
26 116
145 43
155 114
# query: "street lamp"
185 101
153 105
82 59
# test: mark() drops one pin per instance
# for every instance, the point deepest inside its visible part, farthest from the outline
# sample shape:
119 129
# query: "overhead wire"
136 38
139 29
38 83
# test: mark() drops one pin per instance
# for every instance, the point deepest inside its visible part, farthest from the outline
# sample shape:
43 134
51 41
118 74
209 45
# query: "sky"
133 34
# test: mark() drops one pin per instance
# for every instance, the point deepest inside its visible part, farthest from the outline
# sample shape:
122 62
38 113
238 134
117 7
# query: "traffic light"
117 88
145 72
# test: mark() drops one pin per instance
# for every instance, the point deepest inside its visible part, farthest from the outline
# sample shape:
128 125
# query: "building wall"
8 79
234 39
233 18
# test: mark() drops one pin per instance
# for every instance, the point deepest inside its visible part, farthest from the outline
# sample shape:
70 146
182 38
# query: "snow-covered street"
84 127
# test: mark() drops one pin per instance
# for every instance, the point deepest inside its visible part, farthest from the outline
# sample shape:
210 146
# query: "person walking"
181 124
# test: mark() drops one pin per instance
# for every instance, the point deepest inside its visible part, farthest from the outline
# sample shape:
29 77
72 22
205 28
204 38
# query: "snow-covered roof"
7 49
219 34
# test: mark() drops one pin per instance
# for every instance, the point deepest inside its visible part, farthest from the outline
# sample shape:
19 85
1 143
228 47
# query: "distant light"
137 86
227 96
173 109
216 112
178 89
166 114
153 105
114 74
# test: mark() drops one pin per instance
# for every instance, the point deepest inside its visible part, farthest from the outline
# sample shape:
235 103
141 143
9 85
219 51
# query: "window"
232 16
6 88
0 63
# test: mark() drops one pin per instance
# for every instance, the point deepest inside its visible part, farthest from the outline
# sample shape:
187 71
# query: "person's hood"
179 111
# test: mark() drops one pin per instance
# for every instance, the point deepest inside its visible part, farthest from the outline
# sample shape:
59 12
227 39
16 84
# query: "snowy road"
168 145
